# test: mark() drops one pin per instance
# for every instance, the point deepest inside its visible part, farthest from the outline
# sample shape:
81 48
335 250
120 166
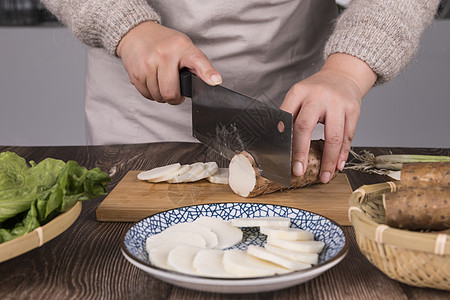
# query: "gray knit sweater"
383 33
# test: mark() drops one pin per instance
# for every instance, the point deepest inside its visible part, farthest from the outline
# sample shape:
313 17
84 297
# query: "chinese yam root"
246 181
418 208
425 174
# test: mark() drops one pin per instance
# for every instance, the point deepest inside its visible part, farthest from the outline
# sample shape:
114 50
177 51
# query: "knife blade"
229 122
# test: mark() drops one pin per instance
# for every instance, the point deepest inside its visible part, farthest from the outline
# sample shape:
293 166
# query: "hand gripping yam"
246 181
418 208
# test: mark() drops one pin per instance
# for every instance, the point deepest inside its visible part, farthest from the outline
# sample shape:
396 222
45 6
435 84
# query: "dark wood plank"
85 262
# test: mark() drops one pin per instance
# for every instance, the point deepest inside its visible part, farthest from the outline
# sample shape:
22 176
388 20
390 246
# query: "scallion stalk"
383 164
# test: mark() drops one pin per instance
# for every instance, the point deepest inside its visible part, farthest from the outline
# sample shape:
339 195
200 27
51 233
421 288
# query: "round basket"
415 258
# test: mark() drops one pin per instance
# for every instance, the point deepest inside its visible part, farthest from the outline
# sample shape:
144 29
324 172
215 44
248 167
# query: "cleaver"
229 122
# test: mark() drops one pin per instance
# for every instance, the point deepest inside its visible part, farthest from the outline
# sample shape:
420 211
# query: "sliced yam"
181 258
271 222
179 172
303 257
206 232
169 237
266 255
158 255
291 234
243 175
158 172
241 264
246 181
220 177
301 246
210 169
209 262
227 234
195 169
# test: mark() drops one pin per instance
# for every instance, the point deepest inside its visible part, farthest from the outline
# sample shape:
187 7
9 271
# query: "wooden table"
85 261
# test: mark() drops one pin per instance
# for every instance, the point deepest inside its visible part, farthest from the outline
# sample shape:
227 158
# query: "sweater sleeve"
383 33
101 23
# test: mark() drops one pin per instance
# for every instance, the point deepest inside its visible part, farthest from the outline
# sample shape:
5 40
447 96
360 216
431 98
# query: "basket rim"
431 242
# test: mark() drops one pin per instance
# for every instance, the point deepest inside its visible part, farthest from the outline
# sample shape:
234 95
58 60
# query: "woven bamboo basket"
40 235
415 258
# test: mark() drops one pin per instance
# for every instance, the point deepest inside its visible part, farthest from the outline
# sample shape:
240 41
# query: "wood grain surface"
85 261
133 199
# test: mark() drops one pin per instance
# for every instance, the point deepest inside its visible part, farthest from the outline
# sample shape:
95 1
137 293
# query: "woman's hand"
332 96
153 55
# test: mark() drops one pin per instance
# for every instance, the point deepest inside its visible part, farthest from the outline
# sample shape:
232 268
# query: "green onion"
383 164
395 161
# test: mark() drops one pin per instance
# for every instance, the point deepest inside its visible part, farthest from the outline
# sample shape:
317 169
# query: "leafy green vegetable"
31 196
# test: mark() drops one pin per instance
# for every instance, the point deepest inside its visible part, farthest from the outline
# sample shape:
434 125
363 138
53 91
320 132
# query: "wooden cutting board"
132 200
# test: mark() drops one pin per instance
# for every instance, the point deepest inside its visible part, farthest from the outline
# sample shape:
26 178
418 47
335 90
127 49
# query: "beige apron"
260 47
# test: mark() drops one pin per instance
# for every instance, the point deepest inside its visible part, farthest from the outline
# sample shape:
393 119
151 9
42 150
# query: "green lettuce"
32 195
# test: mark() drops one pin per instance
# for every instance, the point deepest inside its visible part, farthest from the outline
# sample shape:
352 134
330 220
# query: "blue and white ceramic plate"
326 230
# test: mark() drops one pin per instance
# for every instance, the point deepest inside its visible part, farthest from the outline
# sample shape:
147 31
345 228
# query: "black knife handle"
186 83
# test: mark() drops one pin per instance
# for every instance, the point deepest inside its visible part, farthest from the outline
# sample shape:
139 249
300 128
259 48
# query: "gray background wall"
41 87
42 91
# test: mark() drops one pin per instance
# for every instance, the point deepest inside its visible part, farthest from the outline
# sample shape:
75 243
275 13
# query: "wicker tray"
40 235
415 258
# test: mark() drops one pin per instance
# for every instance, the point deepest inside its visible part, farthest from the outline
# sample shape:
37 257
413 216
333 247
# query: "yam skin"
266 186
418 208
425 174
